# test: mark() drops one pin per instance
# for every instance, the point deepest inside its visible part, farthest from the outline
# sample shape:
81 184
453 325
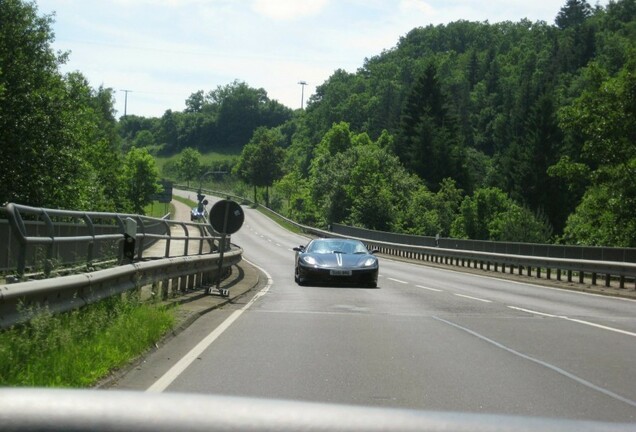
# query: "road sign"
166 195
226 217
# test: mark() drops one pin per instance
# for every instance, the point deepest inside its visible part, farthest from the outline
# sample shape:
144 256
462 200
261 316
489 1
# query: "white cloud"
288 9
418 6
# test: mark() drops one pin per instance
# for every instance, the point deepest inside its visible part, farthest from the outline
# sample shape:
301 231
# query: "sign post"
226 217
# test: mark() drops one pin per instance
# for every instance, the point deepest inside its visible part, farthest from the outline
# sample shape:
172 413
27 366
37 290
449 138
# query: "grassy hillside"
208 160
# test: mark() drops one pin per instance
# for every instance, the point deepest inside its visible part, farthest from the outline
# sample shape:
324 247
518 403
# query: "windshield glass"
337 246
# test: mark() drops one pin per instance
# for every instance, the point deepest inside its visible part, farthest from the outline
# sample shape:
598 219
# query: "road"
426 338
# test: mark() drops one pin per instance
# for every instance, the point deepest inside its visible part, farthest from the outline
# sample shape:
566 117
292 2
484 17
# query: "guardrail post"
48 263
169 233
142 240
91 245
581 276
607 280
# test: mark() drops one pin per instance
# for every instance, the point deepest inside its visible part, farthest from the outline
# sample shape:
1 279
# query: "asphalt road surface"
426 338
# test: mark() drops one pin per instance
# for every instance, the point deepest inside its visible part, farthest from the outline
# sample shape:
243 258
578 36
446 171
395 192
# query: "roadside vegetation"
513 131
79 348
158 210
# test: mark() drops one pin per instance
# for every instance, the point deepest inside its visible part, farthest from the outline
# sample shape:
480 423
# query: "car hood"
340 260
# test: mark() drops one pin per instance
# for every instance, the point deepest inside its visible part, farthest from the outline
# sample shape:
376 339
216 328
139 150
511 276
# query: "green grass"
158 210
206 159
280 221
184 200
79 348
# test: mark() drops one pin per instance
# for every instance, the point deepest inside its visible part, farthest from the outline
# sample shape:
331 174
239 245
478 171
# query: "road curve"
426 338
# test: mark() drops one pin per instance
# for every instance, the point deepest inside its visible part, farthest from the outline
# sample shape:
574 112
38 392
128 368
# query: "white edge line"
625 332
474 298
168 378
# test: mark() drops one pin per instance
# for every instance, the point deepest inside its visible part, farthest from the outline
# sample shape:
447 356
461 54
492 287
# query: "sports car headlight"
369 262
309 260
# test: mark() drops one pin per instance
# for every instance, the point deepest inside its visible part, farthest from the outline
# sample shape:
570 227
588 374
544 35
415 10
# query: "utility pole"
126 100
302 93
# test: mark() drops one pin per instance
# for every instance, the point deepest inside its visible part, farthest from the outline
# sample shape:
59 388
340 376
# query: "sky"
162 51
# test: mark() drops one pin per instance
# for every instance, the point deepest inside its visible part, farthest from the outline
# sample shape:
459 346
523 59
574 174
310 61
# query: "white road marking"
168 378
529 284
574 320
429 288
542 363
397 280
474 298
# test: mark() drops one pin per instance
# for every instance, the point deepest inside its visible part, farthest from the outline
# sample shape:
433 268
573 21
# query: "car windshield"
337 246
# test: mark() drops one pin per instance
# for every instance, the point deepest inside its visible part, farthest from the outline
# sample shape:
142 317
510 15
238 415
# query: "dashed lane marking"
474 298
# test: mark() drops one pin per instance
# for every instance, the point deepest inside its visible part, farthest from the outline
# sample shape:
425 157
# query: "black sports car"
334 260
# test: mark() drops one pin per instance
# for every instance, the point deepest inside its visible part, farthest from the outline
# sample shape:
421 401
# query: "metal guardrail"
594 253
523 264
71 237
38 238
168 276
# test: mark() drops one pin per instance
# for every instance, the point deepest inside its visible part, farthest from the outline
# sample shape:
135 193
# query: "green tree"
39 163
242 109
420 216
361 183
91 124
428 143
145 138
196 102
261 161
140 178
605 117
489 214
189 165
574 13
58 136
295 190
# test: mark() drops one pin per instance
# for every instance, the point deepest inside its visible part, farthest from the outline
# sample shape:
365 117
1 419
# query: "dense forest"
519 131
